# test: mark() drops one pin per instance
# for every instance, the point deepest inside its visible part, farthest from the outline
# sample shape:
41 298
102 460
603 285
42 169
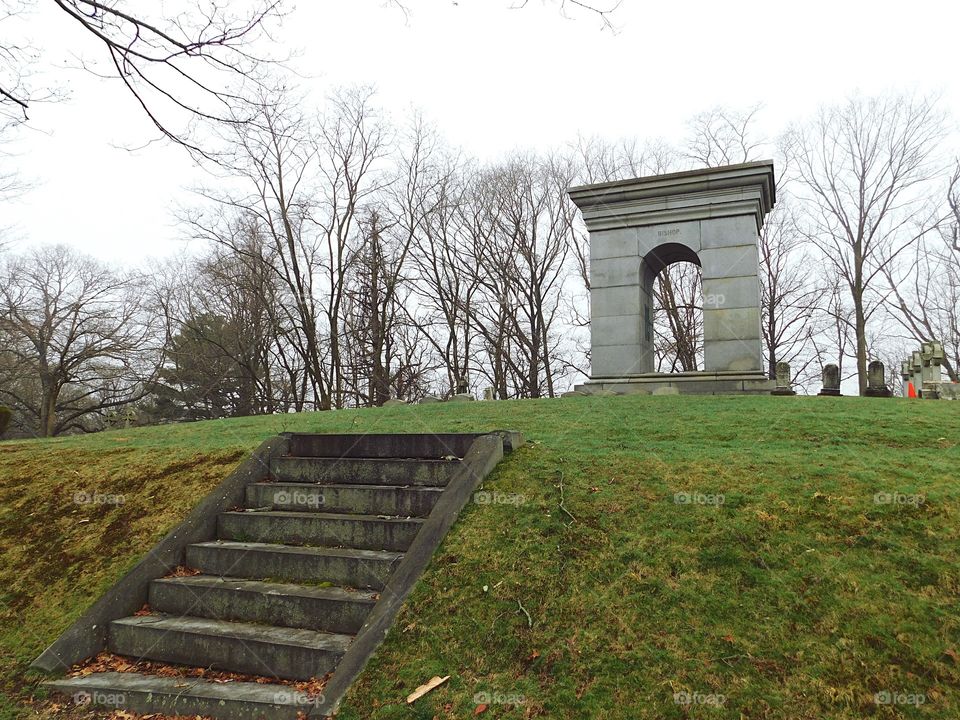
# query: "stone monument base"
720 382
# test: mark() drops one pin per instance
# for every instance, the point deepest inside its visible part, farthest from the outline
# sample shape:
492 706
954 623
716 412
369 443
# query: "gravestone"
488 394
783 380
877 380
924 370
639 227
831 380
906 375
932 356
916 365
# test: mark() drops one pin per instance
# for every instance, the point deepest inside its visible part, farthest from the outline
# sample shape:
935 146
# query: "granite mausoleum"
638 227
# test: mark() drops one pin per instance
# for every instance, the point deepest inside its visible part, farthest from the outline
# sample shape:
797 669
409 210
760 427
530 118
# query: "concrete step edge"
425 489
353 553
320 516
144 693
332 458
332 592
244 632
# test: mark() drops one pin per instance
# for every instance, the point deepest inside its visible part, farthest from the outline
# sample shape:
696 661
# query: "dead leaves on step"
108 662
183 571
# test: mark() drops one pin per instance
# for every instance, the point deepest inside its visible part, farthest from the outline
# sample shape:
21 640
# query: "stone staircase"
291 581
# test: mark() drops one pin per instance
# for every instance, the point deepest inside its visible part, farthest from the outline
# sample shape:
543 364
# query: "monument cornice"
745 189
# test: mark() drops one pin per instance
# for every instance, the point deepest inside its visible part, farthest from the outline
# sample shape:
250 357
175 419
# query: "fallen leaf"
481 708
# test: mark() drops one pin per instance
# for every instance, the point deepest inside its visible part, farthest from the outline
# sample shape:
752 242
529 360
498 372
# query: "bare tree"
78 336
304 185
678 318
789 294
353 139
863 167
271 165
723 136
446 283
924 291
227 338
182 63
520 246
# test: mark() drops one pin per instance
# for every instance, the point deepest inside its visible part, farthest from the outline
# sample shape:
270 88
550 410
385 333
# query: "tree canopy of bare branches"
74 339
183 63
863 168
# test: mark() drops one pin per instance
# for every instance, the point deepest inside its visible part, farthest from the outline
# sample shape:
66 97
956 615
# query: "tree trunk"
48 410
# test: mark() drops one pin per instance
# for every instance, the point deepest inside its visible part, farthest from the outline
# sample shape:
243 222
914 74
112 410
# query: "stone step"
151 694
364 471
372 445
328 609
340 566
360 499
364 532
273 652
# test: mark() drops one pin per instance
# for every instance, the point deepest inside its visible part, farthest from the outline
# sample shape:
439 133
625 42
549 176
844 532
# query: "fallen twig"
431 684
529 619
562 507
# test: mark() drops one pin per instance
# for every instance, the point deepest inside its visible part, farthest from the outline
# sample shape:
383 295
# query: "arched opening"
674 308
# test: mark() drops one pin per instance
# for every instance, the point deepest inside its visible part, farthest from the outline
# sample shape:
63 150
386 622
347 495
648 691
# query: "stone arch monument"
638 227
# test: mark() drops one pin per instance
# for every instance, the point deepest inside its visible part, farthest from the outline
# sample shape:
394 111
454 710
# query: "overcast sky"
492 79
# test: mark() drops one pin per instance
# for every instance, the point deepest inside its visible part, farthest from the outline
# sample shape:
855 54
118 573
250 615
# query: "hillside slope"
641 557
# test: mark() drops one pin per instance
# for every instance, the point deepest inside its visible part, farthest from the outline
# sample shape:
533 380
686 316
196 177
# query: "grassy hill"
641 557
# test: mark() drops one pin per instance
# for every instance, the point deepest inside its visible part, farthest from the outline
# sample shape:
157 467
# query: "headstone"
907 377
462 397
877 380
916 365
463 386
831 380
429 399
932 356
488 394
394 401
783 380
573 393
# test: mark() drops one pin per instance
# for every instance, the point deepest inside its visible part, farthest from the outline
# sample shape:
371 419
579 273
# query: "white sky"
492 79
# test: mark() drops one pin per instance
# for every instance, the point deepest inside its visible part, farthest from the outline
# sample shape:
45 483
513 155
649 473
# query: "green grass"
798 596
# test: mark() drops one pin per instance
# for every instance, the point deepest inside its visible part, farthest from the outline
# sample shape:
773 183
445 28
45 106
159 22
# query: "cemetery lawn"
781 588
